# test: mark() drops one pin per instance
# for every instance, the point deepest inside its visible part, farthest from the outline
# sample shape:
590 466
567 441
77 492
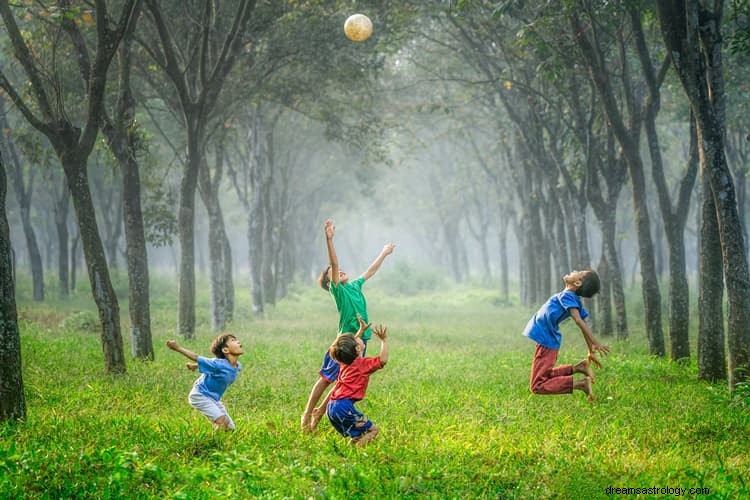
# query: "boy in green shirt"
350 303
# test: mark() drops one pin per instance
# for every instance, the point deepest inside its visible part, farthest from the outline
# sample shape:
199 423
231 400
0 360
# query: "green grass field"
456 416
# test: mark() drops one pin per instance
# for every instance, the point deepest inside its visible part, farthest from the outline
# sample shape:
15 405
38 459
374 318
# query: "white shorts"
211 408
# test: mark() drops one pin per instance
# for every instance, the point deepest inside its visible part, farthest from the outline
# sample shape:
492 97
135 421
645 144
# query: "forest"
167 167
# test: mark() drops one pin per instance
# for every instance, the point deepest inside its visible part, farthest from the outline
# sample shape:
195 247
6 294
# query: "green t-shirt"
350 301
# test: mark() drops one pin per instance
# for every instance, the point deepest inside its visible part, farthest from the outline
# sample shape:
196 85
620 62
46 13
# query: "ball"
358 27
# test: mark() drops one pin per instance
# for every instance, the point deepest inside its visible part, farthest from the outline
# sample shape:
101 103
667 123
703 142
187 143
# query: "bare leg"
584 385
318 412
317 391
584 366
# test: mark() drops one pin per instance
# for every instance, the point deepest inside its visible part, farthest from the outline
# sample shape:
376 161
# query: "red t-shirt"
353 378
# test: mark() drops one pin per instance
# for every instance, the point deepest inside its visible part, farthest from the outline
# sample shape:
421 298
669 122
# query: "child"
348 349
216 375
542 328
350 302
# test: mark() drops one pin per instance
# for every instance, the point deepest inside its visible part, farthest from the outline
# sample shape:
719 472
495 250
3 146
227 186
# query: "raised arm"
176 347
593 344
387 250
381 332
333 260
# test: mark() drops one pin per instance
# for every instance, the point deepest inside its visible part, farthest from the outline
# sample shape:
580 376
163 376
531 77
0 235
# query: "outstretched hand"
172 345
597 348
388 248
381 332
191 366
329 229
362 326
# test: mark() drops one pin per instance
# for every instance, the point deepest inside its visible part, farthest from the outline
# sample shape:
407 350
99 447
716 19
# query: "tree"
627 132
126 139
12 402
73 143
692 35
674 216
197 77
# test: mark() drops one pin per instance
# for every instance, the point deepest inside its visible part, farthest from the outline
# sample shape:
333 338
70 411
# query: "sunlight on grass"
456 415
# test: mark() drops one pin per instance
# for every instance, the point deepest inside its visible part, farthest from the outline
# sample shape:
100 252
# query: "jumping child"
350 302
543 328
351 386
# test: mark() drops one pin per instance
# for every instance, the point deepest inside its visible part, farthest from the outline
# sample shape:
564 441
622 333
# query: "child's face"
233 347
360 346
343 277
573 279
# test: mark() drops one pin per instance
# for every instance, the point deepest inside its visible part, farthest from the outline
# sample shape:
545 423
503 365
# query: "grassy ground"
456 416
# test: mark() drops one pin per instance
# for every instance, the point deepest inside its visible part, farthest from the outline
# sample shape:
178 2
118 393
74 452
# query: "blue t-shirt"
218 374
350 301
543 327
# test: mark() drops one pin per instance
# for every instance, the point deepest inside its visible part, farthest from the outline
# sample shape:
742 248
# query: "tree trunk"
12 402
269 248
186 227
604 318
503 259
137 261
228 280
255 257
96 263
61 224
74 260
23 195
711 353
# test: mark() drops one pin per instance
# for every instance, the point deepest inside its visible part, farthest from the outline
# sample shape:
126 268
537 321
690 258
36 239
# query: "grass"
456 416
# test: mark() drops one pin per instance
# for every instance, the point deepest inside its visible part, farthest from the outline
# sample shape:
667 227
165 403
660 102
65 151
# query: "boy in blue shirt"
351 304
216 375
543 328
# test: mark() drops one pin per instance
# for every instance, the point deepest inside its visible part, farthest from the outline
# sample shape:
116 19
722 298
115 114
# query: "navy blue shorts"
346 419
329 370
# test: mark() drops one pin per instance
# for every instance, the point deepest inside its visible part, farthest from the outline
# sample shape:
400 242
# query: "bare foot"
317 414
305 422
365 437
587 388
584 366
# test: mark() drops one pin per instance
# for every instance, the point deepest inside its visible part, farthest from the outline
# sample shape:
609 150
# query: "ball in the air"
358 27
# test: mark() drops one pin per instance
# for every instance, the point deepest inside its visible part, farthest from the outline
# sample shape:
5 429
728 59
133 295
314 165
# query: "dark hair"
220 343
324 280
590 284
344 348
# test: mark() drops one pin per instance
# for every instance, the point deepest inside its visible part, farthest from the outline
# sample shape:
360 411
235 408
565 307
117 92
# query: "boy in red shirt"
351 384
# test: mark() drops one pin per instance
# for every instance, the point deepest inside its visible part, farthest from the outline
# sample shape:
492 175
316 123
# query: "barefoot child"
351 386
543 328
350 302
216 375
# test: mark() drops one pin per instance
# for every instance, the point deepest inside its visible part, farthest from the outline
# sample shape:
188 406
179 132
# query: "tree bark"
217 240
96 264
61 224
12 401
711 350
